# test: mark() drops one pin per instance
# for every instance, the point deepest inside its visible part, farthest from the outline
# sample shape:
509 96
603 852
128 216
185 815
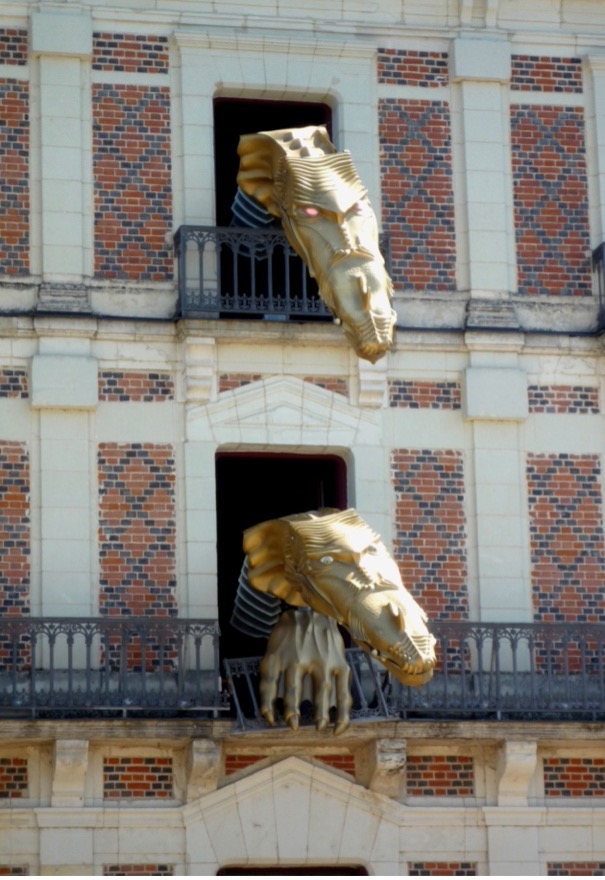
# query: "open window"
260 277
251 488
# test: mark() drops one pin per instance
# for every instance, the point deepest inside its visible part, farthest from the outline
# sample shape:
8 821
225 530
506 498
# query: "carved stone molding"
517 763
69 772
386 763
203 765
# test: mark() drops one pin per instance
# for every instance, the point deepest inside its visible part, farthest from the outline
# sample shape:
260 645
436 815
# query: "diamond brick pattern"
537 73
14 778
138 777
566 537
130 53
402 67
440 776
14 161
13 384
13 46
575 869
417 193
430 529
135 387
15 537
424 395
550 201
574 777
137 542
570 399
133 187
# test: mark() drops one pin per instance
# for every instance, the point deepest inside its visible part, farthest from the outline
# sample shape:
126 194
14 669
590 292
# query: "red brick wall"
137 536
345 763
403 67
430 529
135 870
331 383
574 777
15 571
130 53
229 381
13 384
15 870
570 399
235 762
440 776
550 200
535 73
13 46
444 869
133 191
424 395
137 778
134 386
14 160
575 869
417 193
14 780
566 537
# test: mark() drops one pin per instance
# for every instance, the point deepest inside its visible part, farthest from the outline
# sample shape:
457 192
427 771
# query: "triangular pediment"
280 410
295 811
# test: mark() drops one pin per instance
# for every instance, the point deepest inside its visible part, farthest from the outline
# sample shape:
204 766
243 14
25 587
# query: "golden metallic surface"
332 562
298 176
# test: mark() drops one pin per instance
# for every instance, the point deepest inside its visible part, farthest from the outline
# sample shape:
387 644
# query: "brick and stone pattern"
146 869
13 46
137 539
543 73
335 384
344 763
566 537
130 53
403 67
575 869
564 399
442 869
124 386
440 776
407 394
14 161
430 543
13 384
15 871
235 762
231 381
550 200
133 187
574 777
14 777
137 777
417 193
15 536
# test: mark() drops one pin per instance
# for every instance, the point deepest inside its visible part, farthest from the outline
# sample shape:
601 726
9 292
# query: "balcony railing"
86 667
228 272
232 272
486 671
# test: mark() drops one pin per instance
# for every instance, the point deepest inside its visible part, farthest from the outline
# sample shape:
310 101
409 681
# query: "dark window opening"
251 488
273 283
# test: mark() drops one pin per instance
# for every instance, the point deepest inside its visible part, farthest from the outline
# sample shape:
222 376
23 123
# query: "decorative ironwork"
66 667
232 272
497 671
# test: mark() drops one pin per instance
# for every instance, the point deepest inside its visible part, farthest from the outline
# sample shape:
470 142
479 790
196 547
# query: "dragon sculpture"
298 176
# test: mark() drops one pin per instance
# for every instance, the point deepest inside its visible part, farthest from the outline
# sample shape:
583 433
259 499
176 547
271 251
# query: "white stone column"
62 44
480 73
64 391
595 113
495 402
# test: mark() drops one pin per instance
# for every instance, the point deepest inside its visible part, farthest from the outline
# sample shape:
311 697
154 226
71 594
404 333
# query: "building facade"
151 408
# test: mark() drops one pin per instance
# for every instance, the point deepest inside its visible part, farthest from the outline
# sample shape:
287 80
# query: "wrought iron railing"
233 272
230 272
493 671
66 667
598 266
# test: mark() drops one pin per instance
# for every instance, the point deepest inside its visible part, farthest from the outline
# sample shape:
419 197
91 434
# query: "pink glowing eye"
311 212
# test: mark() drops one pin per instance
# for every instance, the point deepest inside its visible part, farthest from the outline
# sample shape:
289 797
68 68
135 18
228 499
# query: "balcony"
230 272
93 667
166 667
533 672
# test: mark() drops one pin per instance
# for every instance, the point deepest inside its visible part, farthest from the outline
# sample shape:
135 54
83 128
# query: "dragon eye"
310 212
326 560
